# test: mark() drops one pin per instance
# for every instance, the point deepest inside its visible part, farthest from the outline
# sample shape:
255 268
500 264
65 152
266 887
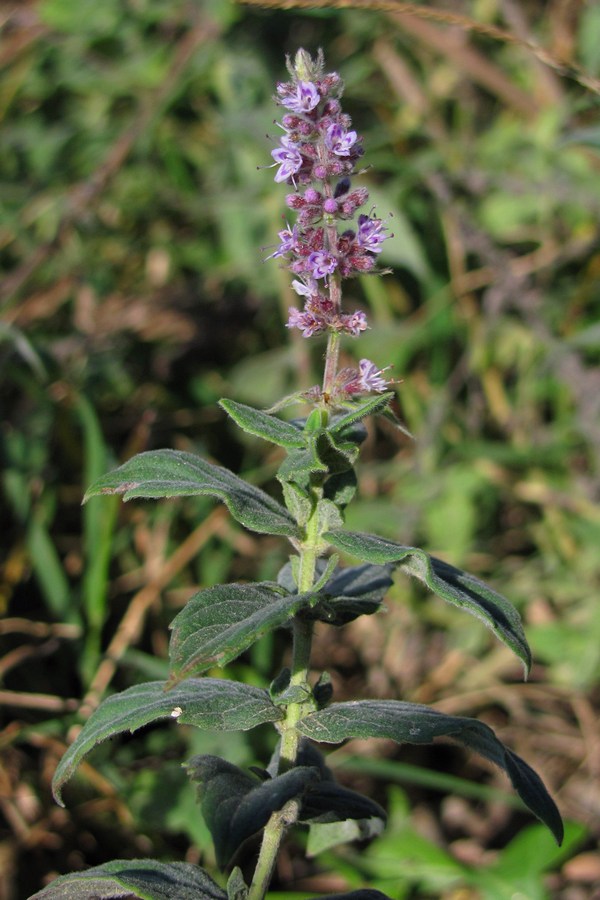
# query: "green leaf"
360 411
336 452
330 802
449 583
416 724
325 835
341 488
298 502
218 624
328 516
263 425
210 703
172 473
327 801
300 465
236 805
237 889
352 592
342 594
282 692
147 879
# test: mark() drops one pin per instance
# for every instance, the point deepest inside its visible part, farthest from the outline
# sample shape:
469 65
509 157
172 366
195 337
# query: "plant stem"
331 360
295 711
273 835
302 630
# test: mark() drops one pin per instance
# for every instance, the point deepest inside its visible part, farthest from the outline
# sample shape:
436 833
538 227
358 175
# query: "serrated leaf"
218 624
415 724
210 703
263 425
146 879
451 584
236 805
173 473
370 407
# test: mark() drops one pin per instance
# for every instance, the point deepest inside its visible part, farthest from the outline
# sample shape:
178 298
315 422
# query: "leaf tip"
57 794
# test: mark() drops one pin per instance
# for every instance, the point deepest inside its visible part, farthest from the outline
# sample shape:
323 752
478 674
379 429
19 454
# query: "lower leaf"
236 805
146 879
415 724
210 703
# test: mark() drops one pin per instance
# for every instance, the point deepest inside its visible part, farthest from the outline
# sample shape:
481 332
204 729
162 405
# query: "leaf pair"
220 705
236 805
219 623
167 473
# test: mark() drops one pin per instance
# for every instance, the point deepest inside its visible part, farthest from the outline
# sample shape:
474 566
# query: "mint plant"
249 812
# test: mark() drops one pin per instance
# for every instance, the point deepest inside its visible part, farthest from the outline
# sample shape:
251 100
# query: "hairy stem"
331 360
278 823
273 835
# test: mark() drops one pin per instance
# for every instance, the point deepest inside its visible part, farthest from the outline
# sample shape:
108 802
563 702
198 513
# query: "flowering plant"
246 810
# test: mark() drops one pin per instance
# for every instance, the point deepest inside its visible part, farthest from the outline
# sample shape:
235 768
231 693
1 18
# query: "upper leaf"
210 703
147 879
370 407
173 473
218 624
452 584
346 594
263 425
416 724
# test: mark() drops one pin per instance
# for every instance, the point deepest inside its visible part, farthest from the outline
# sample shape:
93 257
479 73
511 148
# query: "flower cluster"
317 155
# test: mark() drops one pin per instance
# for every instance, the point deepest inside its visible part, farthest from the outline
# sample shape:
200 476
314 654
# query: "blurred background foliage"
134 217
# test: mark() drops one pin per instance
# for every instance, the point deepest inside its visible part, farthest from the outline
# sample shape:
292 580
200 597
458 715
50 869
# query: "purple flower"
370 234
305 289
305 98
339 141
370 376
307 322
289 159
354 323
289 242
321 264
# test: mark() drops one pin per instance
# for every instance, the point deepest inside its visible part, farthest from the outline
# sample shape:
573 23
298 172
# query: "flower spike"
317 155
